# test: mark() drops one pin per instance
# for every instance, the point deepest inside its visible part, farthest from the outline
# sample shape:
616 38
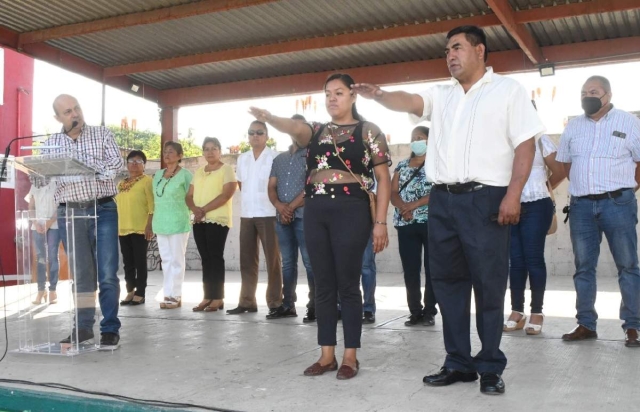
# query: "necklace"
165 183
128 183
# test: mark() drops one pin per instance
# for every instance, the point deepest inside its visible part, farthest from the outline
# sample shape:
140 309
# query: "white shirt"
473 136
536 187
602 154
254 176
45 205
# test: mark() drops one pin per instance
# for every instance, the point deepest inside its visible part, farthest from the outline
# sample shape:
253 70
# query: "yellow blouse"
134 207
207 186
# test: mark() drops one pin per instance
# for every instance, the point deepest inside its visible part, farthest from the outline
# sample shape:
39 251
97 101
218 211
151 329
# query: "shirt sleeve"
427 98
188 177
635 140
273 168
111 161
229 175
148 192
564 151
523 120
377 144
239 169
548 146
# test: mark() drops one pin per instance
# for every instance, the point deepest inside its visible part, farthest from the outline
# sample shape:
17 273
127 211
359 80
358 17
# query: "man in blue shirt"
600 152
286 193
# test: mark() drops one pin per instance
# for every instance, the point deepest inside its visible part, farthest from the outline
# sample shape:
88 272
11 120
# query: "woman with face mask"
410 196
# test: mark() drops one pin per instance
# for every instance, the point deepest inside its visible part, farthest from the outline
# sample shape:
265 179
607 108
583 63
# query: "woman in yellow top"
209 199
135 211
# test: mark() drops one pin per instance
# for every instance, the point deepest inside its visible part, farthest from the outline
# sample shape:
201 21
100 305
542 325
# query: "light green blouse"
171 214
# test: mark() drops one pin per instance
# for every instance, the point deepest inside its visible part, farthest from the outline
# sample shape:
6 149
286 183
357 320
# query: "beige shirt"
473 136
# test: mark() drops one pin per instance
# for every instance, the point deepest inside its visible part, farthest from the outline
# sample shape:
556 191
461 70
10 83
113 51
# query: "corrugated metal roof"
30 15
587 28
531 4
263 24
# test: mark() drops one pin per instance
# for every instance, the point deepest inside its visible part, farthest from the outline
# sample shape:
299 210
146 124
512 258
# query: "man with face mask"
600 152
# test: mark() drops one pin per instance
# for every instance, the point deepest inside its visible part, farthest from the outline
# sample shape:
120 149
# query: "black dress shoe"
448 376
282 312
310 316
428 320
240 310
413 320
631 338
368 317
491 384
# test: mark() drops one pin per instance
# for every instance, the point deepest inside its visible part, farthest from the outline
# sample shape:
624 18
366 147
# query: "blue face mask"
419 147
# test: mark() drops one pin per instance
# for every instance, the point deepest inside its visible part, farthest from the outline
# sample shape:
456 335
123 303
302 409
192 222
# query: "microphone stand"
3 168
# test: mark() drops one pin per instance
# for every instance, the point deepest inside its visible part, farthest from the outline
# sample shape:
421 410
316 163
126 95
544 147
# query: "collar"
63 131
487 78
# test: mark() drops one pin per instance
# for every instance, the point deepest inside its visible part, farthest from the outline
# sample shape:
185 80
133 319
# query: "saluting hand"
366 90
261 115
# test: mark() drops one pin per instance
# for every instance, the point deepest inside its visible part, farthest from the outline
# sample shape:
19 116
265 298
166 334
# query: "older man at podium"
92 244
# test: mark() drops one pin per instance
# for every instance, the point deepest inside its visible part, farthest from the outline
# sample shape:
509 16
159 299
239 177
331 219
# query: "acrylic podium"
43 325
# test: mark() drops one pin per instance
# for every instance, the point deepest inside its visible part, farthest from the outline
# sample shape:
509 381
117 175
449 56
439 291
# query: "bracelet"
381 223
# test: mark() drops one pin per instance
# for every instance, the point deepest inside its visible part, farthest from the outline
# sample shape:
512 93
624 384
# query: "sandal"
202 305
534 328
511 325
214 305
173 303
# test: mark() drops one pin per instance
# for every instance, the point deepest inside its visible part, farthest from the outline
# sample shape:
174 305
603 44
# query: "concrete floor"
247 363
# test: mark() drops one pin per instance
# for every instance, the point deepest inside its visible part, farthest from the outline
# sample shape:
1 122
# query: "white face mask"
419 147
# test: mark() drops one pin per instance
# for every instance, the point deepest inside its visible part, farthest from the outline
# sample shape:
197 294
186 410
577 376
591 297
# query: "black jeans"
134 258
467 250
337 231
210 239
412 240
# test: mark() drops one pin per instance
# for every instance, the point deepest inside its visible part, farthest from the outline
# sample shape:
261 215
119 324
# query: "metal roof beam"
370 36
519 32
512 61
57 57
136 19
574 9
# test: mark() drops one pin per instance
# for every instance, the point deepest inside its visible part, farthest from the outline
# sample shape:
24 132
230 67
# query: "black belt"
606 195
459 188
83 205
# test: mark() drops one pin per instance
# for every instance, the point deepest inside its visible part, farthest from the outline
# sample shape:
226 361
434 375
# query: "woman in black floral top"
343 155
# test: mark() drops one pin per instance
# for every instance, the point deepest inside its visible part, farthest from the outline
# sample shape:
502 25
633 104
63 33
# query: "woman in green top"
171 221
209 199
135 211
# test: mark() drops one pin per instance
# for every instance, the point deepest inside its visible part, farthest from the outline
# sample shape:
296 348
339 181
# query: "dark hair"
213 140
298 117
138 153
347 81
604 82
474 36
263 124
422 129
176 146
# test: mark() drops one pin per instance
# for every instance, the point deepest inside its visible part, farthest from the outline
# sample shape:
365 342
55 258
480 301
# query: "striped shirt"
97 148
536 187
602 154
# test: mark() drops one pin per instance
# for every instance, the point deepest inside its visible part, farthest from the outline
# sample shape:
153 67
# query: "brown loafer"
580 333
347 372
316 369
631 338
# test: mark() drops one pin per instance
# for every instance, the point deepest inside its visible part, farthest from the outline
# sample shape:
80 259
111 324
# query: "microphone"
3 168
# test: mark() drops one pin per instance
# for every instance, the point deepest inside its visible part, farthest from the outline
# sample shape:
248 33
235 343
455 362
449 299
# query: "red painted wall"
15 120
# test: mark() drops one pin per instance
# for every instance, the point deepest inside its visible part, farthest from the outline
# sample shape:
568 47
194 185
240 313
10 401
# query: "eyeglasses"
135 161
254 132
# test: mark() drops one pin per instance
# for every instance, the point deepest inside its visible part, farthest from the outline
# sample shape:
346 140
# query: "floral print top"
362 146
417 188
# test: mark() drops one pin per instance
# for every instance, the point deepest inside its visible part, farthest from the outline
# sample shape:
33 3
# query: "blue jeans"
617 219
47 255
290 239
87 249
368 278
527 254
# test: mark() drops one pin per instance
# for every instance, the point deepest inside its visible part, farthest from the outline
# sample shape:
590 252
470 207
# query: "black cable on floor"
146 402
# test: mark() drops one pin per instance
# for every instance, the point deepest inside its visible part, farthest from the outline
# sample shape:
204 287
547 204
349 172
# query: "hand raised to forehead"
260 114
366 90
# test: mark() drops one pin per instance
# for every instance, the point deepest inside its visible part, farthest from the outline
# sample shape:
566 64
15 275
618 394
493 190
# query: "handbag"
372 196
554 221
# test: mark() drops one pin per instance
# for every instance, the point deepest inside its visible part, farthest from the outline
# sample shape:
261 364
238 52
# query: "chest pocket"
612 147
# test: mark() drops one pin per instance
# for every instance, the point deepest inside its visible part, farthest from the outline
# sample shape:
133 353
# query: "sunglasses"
254 132
136 161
